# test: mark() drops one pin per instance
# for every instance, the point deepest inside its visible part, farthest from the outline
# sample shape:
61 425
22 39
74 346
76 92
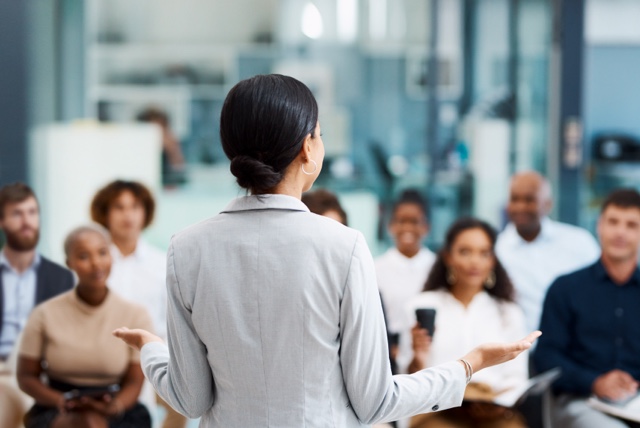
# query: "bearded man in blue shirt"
591 320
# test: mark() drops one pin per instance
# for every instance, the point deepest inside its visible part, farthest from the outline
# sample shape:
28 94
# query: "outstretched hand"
136 338
491 354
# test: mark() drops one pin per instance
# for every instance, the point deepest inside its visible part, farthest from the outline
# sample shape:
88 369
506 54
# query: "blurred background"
447 96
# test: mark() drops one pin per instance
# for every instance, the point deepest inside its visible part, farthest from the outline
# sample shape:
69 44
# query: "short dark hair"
320 201
503 288
623 198
410 196
14 193
107 195
153 114
263 124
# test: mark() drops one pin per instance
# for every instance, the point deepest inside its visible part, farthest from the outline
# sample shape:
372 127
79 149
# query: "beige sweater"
74 339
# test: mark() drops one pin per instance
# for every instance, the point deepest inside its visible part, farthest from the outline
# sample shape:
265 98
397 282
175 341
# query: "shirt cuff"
153 355
456 376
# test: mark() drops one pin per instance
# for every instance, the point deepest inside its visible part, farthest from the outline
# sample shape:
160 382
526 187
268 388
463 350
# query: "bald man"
534 249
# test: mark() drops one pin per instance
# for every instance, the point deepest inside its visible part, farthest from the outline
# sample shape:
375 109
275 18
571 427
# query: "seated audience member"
125 209
473 299
68 339
26 279
173 164
534 249
403 269
325 203
591 320
138 272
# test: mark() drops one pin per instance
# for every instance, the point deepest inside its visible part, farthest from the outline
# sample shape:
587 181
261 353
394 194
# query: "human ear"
547 206
306 149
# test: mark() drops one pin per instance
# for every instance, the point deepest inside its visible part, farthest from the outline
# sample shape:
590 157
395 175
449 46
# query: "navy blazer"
51 280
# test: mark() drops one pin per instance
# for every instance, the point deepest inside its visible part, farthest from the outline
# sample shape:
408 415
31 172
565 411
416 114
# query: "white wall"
613 22
187 21
69 163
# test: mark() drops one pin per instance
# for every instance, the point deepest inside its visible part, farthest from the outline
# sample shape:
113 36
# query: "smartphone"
427 319
92 392
394 339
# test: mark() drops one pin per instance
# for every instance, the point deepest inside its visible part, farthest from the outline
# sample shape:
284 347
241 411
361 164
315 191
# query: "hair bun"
252 173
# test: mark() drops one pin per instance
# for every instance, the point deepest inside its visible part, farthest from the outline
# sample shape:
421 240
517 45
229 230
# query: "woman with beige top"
68 339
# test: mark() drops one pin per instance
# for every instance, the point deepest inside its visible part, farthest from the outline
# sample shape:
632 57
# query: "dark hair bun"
263 125
254 174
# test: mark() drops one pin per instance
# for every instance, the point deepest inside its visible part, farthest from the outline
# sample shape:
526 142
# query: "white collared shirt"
141 278
532 266
19 292
459 329
401 278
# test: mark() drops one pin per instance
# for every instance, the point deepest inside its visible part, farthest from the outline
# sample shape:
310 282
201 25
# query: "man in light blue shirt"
26 279
19 293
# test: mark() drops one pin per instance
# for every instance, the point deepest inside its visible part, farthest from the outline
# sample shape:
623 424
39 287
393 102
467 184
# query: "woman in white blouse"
403 269
473 298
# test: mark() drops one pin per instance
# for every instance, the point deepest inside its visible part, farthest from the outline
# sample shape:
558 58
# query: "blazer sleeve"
375 395
180 374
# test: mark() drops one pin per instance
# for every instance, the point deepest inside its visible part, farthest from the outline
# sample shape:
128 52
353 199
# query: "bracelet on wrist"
467 368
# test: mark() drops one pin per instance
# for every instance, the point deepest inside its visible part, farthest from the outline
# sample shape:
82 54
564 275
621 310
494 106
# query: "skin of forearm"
130 388
128 395
415 366
41 393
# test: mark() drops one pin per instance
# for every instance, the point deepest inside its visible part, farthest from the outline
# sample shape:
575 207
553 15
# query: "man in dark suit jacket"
26 278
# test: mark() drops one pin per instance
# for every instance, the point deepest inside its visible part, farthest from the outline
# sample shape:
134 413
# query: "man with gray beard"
26 279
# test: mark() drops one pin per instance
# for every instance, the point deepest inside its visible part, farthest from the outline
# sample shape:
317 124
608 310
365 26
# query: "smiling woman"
69 335
473 299
403 269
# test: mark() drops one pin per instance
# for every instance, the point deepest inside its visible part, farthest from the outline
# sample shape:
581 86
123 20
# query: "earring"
451 278
491 280
315 167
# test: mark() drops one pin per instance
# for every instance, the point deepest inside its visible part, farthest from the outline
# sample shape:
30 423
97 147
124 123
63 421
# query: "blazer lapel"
40 285
1 302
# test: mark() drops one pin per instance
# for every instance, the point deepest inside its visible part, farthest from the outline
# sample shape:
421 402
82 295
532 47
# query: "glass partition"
446 96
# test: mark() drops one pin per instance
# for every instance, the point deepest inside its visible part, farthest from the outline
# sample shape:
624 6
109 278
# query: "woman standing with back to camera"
274 317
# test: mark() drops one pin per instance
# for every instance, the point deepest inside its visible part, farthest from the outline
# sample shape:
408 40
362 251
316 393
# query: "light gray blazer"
274 320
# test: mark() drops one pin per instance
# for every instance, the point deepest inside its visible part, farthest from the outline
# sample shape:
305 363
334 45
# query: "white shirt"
532 266
401 278
19 291
459 329
141 278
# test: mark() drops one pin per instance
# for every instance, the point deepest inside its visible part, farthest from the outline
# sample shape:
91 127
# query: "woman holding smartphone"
274 317
473 301
93 379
